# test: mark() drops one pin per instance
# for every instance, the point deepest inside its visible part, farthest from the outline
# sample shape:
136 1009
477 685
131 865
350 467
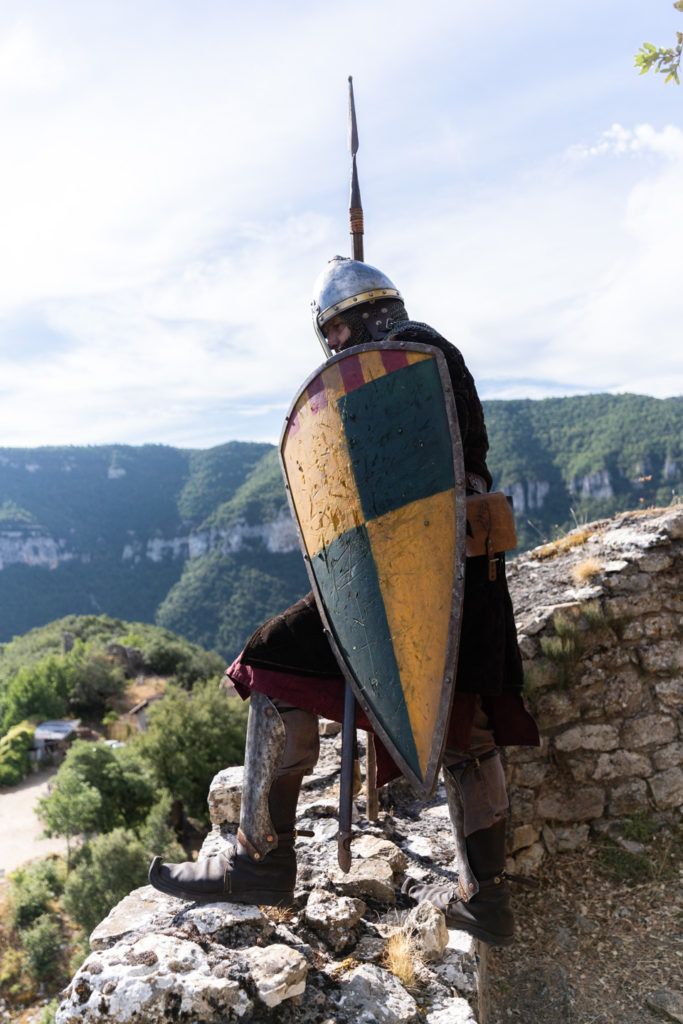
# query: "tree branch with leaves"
666 61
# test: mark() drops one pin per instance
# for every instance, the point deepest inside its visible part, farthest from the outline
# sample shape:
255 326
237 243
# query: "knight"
291 676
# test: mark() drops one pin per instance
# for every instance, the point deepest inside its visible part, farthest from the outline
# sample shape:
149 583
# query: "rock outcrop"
599 618
156 959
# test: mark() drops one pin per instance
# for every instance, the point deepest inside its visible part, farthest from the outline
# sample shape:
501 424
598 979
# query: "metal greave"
265 747
467 883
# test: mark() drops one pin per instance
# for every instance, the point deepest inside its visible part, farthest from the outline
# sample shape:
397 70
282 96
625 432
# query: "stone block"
670 692
522 804
522 836
372 994
333 917
630 582
527 862
565 840
628 798
621 764
581 768
626 693
655 561
225 796
650 730
528 648
139 980
667 788
532 774
278 972
426 925
366 879
588 737
591 702
563 805
633 631
368 847
671 524
554 709
666 656
663 626
520 755
668 757
329 728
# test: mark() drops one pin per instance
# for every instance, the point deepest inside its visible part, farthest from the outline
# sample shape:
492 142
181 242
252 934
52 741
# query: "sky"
174 176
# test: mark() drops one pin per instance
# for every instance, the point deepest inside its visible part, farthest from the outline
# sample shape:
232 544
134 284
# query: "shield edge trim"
423 788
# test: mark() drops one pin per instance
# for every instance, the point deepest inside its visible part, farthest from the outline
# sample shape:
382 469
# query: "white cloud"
27 64
177 178
644 138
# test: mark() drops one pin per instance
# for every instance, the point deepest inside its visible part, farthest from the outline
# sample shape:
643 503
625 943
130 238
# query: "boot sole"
263 897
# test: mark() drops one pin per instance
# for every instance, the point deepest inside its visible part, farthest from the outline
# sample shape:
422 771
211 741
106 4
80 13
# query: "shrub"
49 1013
120 779
158 837
115 863
41 942
31 889
190 738
38 691
95 682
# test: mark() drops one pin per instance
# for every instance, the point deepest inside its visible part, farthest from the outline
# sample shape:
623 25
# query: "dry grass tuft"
572 540
349 963
586 570
401 958
278 915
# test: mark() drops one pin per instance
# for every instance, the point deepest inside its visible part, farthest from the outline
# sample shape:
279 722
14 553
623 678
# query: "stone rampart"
600 627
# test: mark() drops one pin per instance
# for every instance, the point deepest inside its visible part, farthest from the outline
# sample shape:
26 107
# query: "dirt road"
19 826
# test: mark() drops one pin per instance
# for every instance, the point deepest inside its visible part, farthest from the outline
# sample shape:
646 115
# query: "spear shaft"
355 205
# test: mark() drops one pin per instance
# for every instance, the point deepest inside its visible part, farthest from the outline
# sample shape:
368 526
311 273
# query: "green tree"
95 681
14 759
31 888
190 738
71 809
158 837
113 865
122 780
42 941
666 60
38 691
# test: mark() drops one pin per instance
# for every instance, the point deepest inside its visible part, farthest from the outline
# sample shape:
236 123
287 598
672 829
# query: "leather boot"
242 875
487 915
261 868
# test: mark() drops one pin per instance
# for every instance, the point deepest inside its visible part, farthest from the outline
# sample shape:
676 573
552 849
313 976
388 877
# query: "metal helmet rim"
343 284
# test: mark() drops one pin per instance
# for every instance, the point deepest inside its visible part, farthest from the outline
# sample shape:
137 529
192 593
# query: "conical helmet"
344 284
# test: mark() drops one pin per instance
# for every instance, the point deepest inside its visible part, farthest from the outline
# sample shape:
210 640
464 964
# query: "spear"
349 746
355 205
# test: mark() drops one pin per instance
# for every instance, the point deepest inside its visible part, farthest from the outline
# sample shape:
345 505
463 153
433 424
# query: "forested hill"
201 541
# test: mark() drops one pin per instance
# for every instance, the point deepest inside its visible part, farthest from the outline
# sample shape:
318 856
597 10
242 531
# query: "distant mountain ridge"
201 542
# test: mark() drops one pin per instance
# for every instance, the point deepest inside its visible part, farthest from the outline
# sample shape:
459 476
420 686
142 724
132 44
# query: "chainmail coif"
360 335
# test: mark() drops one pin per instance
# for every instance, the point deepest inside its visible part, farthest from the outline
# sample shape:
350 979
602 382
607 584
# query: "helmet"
345 284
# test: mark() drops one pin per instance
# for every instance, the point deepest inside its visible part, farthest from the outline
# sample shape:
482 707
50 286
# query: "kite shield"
372 459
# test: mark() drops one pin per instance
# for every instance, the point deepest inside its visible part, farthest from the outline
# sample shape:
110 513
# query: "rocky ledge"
159 959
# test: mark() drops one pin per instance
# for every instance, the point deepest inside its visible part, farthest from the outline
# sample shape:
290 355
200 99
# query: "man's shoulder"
413 330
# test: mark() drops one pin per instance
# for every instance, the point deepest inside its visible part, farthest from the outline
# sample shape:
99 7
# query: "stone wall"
600 626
